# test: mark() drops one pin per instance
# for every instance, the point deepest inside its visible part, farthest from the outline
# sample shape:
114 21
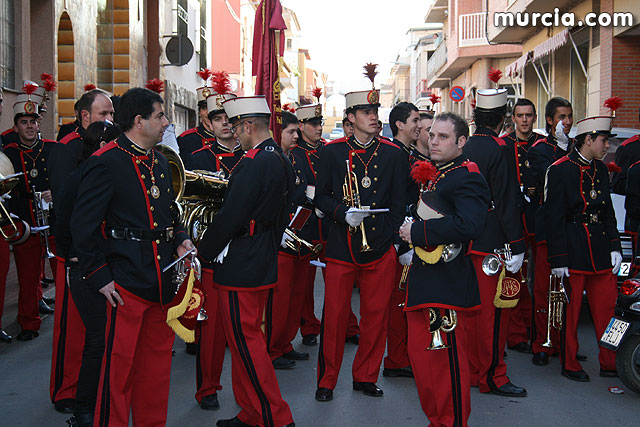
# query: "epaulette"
561 160
634 164
188 132
70 137
11 145
252 153
542 141
634 138
343 139
499 140
49 140
206 147
472 167
105 148
387 141
7 132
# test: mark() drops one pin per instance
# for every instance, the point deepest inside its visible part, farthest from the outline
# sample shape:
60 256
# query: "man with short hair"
421 150
125 198
347 127
202 135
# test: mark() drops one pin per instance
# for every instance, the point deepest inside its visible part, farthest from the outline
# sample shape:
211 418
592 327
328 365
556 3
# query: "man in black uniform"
202 135
582 236
126 196
442 377
627 154
244 237
421 150
487 329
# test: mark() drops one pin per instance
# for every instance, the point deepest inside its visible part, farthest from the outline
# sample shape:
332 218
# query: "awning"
515 68
551 44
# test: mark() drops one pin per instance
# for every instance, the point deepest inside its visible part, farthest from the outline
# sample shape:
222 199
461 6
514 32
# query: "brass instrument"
181 271
492 263
351 197
298 242
557 298
8 180
439 323
42 220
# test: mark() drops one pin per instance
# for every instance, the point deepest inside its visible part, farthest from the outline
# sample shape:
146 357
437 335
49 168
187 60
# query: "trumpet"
351 197
297 243
181 271
557 299
492 263
439 323
42 220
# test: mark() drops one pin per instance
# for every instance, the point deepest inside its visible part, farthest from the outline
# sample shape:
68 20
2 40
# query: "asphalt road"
553 400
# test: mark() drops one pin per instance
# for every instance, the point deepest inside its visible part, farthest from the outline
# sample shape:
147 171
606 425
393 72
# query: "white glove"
561 137
5 197
285 238
560 272
355 218
319 213
406 258
222 254
515 263
616 261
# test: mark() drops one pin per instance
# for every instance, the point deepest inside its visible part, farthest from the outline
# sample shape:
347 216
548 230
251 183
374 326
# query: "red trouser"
601 293
486 334
68 340
541 304
212 342
397 356
376 282
4 269
286 303
136 365
255 386
28 257
442 376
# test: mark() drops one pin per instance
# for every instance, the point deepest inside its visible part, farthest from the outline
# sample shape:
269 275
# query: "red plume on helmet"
423 171
205 74
46 76
289 108
434 98
89 86
155 85
29 88
370 72
495 75
221 82
613 104
317 93
612 167
50 85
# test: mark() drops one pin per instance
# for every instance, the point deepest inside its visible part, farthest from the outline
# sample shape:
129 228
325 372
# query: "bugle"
439 323
42 220
351 197
557 298
297 243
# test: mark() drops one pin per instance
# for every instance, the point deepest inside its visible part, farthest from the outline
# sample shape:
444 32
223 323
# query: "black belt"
584 218
254 228
141 235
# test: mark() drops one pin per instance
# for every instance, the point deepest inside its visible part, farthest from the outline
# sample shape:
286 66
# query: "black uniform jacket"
252 218
581 230
25 160
453 284
530 195
627 154
503 225
66 200
9 136
116 193
193 139
412 187
68 128
541 155
214 157
387 171
299 199
64 160
632 201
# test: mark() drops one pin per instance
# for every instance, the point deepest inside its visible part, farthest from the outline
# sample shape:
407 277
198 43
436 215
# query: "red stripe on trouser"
486 337
255 386
435 378
375 282
397 356
522 315
212 343
4 269
601 292
68 341
139 365
28 265
541 303
288 297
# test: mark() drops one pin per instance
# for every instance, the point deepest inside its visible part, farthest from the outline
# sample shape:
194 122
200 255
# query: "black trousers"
92 307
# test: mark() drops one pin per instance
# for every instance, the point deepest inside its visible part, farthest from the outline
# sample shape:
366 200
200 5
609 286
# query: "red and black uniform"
125 197
251 223
627 154
581 234
9 136
32 162
486 330
632 207
69 127
194 139
541 155
210 333
381 165
442 376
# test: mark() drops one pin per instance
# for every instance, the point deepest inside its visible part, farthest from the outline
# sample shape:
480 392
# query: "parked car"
336 133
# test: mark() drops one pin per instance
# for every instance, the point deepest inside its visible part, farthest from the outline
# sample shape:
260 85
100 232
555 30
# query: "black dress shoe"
521 347
296 355
45 282
49 301
27 335
5 337
540 359
580 376
80 419
608 373
191 348
210 402
309 340
510 390
324 394
64 406
369 389
401 372
581 357
353 339
43 308
233 422
282 363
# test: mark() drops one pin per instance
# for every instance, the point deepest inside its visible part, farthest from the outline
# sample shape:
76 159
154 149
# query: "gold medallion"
155 191
593 194
366 182
33 172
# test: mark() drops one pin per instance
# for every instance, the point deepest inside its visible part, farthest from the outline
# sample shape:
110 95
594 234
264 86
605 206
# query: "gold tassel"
429 257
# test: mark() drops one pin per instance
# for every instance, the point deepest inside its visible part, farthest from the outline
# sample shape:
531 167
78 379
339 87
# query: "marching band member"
627 154
4 260
433 288
486 329
244 236
583 241
201 135
421 150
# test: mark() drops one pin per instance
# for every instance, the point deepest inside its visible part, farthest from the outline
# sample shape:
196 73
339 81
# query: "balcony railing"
471 29
437 60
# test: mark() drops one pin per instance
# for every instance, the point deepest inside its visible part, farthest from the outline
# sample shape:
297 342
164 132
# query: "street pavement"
553 400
